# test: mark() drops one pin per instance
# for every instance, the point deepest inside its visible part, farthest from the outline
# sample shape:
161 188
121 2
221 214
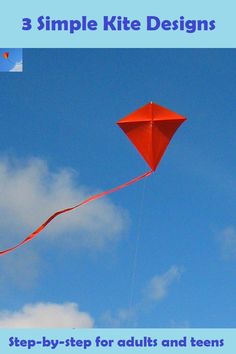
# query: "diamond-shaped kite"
150 129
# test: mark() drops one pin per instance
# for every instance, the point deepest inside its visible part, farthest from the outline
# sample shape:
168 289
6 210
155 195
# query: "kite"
6 56
150 129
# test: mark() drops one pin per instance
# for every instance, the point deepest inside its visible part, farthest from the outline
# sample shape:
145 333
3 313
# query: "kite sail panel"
150 129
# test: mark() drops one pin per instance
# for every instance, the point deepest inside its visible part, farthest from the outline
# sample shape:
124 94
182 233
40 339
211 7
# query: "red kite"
5 55
150 129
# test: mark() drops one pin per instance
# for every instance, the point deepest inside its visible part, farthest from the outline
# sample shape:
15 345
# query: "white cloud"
181 324
46 315
30 192
18 67
227 239
122 318
159 285
157 288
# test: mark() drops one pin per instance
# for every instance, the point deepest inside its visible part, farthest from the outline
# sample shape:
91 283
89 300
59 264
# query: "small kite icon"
5 55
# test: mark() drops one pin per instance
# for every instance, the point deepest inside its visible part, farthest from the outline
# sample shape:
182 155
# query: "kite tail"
62 211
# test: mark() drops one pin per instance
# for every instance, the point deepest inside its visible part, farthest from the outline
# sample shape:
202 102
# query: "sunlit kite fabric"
150 129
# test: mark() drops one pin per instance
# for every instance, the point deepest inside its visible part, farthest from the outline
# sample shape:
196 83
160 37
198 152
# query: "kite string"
136 249
62 211
138 233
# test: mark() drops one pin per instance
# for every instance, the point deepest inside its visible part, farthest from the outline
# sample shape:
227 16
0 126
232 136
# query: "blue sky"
160 253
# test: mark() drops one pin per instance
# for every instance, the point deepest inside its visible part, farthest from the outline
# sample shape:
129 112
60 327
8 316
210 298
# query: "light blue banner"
123 24
118 341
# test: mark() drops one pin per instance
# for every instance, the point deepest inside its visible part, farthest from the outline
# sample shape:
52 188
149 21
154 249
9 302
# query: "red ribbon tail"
62 211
